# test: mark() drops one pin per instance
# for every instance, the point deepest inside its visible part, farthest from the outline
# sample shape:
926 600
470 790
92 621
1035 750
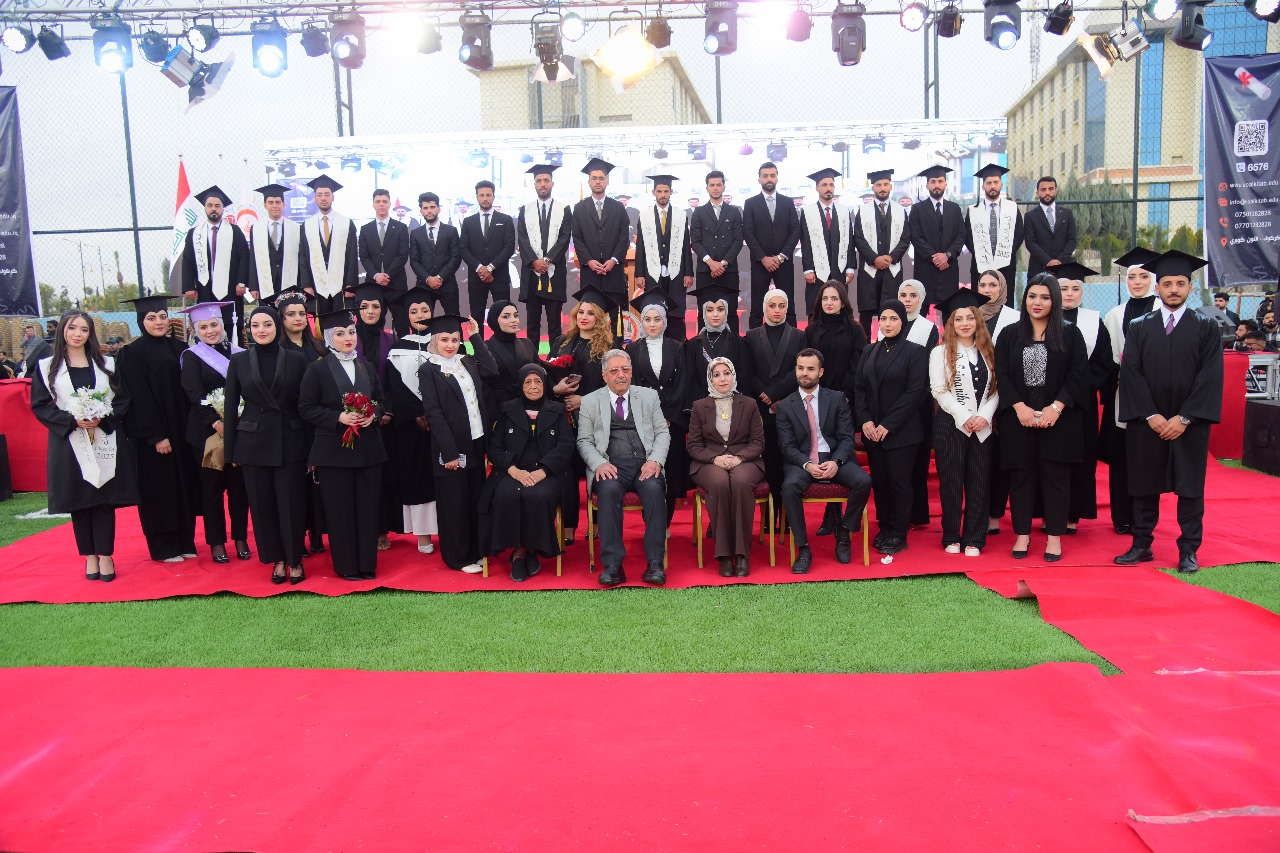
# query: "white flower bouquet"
87 405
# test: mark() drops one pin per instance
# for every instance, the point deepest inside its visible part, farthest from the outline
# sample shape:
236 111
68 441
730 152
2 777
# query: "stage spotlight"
112 43
202 37
478 159
721 31
799 25
476 50
913 15
17 38
346 35
626 57
1190 31
429 40
350 163
873 145
660 154
848 32
548 47
270 53
53 44
776 151
659 32
746 149
154 47
697 150
315 41
999 144
1161 10
287 169
572 27
1264 10
949 22
554 157
1002 22
1101 51
1060 18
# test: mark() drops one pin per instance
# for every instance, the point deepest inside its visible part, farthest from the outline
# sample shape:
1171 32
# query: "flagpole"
133 190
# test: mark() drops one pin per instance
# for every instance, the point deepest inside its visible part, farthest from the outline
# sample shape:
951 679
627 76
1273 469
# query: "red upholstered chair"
630 500
826 493
763 499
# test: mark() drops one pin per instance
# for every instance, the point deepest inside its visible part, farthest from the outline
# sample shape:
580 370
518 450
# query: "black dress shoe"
844 551
316 546
1187 562
1134 556
743 568
299 577
1051 558
612 576
220 557
519 569
803 561
531 564
830 519
878 541
351 577
993 531
654 575
1019 555
1123 529
1070 531
367 576
106 578
892 545
726 567
242 550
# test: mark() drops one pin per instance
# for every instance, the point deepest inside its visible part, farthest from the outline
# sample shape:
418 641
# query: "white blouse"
655 353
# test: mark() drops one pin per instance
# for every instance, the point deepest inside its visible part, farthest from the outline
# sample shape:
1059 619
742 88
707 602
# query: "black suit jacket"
445 409
599 239
391 256
556 252
892 399
198 379
1044 245
769 237
270 431
496 250
929 235
238 273
773 371
441 259
324 384
720 239
835 422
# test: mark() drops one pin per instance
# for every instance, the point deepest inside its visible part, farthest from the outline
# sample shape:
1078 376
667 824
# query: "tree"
54 300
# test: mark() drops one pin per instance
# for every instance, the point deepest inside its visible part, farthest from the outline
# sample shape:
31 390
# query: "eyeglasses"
618 371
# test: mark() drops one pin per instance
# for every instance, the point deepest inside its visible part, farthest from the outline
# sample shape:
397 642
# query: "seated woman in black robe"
509 352
530 450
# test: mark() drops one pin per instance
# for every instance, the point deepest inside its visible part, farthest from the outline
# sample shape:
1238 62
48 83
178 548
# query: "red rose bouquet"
358 404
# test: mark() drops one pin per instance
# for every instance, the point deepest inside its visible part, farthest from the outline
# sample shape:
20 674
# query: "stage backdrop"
1242 168
18 292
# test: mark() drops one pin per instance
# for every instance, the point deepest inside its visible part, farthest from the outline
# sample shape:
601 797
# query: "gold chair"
764 499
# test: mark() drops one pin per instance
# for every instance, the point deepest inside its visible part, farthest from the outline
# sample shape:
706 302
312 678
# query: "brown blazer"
746 433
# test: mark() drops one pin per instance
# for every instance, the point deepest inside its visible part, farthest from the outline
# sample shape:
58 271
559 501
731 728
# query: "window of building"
1075 111
1062 169
1064 119
1075 157
1158 211
1051 128
1095 122
1042 136
1151 112
1235 31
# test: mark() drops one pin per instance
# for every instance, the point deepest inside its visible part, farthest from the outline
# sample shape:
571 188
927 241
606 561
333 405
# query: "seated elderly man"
623 438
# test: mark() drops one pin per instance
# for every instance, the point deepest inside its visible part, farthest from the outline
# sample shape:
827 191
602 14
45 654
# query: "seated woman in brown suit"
726 443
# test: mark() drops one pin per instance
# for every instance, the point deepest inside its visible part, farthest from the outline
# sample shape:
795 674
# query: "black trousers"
95 529
1122 513
351 505
314 507
1053 481
783 278
999 488
534 308
277 499
891 475
457 496
653 495
964 478
1146 513
794 482
213 485
479 293
920 469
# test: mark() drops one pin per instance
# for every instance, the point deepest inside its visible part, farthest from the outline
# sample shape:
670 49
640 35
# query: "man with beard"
328 250
215 262
715 235
543 229
273 248
487 240
384 251
771 227
937 237
995 230
435 255
1051 231
601 238
663 259
826 237
881 236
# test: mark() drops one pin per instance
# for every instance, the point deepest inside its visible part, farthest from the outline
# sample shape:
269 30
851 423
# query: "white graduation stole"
97 459
897 221
813 222
289 238
533 230
407 361
328 278
1089 322
649 231
979 219
222 264
920 329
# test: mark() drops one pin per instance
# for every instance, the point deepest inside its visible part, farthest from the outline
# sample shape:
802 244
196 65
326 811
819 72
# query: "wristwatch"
1186 421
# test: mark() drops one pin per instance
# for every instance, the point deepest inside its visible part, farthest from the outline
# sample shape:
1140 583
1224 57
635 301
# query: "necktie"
663 216
382 233
213 251
826 214
938 207
715 208
275 234
994 227
882 209
769 200
326 230
809 407
622 415
484 232
431 235
600 209
1168 327
1048 214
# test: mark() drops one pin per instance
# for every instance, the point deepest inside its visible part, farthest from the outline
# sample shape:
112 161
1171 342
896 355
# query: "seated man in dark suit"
821 455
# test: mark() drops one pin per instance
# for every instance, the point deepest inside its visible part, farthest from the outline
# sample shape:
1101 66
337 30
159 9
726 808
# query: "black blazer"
831 247
671 380
439 259
1066 380
1044 245
496 250
892 400
929 235
599 239
720 239
391 256
773 371
553 436
769 237
446 410
198 379
238 274
324 384
841 347
835 422
270 431
555 253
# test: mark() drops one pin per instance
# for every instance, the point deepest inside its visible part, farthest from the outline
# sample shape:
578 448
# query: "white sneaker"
188 556
953 548
972 552
473 569
427 549
172 560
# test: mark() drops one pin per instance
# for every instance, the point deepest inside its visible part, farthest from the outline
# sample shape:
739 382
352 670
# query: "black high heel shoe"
219 557
88 575
299 577
242 550
103 576
277 574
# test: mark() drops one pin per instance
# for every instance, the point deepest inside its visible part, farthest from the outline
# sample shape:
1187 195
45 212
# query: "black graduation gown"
671 384
168 484
1111 438
1170 375
599 238
314 511
413 453
373 345
198 381
1102 372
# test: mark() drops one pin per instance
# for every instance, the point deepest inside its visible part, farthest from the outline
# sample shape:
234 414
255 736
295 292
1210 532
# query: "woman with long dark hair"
373 345
89 461
1042 372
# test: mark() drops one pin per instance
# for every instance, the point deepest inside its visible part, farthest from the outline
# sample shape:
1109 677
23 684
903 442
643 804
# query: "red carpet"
1050 758
1254 828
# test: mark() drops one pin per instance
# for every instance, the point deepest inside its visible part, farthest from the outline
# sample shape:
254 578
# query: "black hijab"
521 375
498 335
898 308
370 334
268 353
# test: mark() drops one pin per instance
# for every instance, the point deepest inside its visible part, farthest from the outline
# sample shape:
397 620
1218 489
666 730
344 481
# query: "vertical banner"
1242 168
18 291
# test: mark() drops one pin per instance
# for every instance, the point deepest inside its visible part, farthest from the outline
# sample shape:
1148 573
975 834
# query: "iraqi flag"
187 212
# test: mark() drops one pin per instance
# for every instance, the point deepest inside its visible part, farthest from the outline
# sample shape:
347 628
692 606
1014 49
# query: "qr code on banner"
1252 138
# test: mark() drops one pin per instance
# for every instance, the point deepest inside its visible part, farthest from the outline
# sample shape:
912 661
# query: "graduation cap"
1174 262
272 191
965 297
714 293
882 175
991 170
156 302
595 296
1137 256
205 311
935 172
213 192
445 324
370 292
823 174
339 319
1072 271
413 296
654 296
324 182
541 169
596 163
659 180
